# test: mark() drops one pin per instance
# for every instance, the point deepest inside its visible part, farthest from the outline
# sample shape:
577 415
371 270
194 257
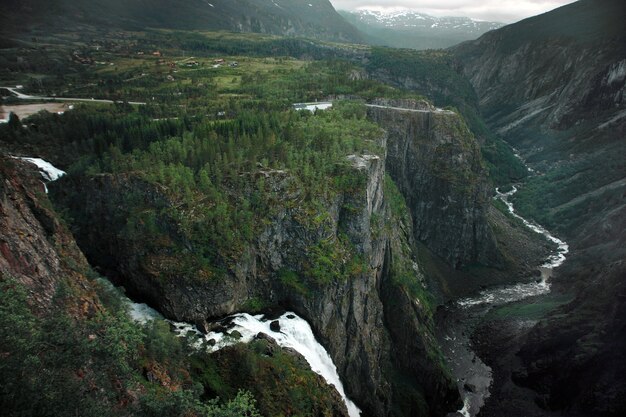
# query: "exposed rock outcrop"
553 85
36 249
436 163
551 70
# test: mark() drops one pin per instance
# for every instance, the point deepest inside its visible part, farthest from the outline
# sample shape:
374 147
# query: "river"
460 318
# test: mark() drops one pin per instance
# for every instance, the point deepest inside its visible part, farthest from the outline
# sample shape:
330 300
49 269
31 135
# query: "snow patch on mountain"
407 18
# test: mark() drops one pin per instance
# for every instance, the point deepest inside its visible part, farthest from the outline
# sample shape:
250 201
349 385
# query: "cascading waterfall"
48 171
294 333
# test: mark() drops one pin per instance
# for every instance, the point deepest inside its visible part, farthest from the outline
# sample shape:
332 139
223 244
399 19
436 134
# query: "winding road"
22 96
436 110
322 105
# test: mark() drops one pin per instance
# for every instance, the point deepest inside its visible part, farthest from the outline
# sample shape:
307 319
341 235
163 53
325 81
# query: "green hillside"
306 18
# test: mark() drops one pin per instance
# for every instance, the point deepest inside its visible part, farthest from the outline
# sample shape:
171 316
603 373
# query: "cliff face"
62 329
35 248
356 295
436 163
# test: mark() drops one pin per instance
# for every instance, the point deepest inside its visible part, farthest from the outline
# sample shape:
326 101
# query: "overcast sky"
506 11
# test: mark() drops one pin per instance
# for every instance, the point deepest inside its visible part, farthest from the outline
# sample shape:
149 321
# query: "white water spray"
294 333
48 171
556 259
473 401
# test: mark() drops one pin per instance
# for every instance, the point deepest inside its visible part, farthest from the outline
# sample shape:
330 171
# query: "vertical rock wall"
436 163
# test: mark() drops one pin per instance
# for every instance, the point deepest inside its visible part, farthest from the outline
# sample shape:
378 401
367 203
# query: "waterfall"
294 333
48 171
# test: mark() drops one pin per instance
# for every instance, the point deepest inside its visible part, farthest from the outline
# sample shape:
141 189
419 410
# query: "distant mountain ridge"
305 18
412 29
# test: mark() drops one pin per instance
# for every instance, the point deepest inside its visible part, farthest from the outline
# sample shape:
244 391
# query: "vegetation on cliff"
218 181
106 364
436 74
554 85
55 365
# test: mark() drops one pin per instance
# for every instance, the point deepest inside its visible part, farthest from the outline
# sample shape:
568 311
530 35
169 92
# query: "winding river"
461 317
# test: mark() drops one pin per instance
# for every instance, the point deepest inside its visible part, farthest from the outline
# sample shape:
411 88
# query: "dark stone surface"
275 326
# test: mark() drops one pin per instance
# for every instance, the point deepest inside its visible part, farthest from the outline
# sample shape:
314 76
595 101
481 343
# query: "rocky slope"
551 70
68 328
354 267
36 249
305 18
358 267
553 86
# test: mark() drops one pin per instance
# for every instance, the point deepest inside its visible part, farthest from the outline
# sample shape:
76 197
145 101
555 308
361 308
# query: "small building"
218 61
312 107
156 53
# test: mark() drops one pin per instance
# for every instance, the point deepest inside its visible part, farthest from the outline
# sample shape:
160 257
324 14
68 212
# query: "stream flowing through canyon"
461 317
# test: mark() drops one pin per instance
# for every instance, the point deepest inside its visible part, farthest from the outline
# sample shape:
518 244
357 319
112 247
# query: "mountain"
411 29
554 86
305 18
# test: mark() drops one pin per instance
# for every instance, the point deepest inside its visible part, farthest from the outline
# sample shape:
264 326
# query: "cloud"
506 11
